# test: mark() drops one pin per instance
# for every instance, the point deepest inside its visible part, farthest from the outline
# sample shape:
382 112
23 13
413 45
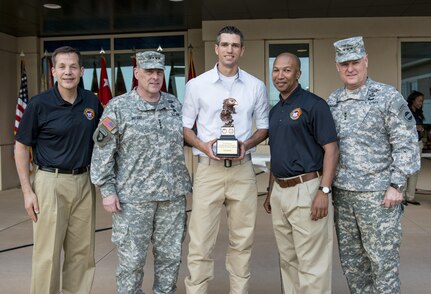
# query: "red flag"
192 72
22 98
104 90
134 80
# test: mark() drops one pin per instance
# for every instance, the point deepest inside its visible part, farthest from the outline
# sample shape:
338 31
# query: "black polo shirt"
60 133
298 128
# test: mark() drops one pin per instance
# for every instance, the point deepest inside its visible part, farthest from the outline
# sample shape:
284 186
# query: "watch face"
325 190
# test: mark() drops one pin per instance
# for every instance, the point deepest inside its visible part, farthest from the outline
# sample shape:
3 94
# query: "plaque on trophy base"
227 145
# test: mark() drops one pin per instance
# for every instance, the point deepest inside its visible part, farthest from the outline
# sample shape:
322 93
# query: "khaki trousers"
304 245
235 188
66 221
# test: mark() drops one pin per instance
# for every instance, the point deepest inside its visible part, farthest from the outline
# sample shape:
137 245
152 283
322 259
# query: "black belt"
75 171
207 161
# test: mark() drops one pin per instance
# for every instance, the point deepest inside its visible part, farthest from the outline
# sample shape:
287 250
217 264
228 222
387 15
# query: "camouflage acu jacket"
377 137
138 153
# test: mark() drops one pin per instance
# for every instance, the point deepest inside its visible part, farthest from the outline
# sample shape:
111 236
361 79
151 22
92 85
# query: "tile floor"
16 231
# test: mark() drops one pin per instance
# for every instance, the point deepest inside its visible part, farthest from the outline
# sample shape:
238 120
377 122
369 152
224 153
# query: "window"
119 51
300 49
416 72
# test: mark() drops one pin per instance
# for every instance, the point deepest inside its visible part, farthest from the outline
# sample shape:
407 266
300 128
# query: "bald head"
287 55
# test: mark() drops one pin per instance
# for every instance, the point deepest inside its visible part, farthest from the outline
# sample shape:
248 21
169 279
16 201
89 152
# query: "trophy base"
227 147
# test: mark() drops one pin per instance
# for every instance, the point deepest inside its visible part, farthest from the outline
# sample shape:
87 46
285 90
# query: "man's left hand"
319 207
392 197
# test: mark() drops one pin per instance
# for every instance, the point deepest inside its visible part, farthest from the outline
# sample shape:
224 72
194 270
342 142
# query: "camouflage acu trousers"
369 238
161 222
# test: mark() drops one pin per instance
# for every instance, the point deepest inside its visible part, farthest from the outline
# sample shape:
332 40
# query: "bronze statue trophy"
227 146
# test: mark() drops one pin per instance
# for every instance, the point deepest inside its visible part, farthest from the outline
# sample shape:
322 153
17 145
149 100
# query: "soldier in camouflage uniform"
378 150
138 162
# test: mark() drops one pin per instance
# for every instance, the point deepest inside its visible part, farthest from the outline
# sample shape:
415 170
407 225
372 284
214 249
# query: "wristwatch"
325 190
397 187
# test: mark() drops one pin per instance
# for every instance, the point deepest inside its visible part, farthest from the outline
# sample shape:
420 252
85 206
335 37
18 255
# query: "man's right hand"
207 148
111 204
31 205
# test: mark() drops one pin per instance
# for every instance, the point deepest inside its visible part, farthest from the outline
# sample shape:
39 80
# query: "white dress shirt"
203 102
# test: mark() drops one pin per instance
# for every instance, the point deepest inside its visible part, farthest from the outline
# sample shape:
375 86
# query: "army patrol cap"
150 60
349 49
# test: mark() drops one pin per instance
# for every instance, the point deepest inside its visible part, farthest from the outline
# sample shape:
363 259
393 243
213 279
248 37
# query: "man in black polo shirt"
304 154
58 125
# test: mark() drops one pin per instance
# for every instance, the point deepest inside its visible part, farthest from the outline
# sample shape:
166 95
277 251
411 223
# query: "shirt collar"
360 93
292 96
214 74
60 99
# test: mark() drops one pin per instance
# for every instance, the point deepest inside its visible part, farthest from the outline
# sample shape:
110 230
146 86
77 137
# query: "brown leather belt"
291 182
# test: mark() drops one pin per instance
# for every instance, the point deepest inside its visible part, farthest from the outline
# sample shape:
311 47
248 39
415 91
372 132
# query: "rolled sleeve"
189 109
261 108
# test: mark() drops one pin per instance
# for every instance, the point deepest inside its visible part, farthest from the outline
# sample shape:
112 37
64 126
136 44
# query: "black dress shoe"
414 202
405 203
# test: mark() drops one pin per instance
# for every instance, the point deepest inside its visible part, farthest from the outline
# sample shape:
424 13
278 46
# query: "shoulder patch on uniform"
109 124
295 114
405 112
104 132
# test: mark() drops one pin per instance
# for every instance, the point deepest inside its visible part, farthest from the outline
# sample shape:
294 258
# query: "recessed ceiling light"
176 0
52 6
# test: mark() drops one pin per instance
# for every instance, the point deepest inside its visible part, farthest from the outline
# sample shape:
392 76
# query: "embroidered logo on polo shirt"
89 113
295 114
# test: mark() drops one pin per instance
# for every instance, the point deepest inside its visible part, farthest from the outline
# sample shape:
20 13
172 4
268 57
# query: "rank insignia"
295 114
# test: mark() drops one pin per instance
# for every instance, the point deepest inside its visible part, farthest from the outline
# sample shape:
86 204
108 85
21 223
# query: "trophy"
227 146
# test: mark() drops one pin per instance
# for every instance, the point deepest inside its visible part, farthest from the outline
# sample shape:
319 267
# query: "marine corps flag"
105 93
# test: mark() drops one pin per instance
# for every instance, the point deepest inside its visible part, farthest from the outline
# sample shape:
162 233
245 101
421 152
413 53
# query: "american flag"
22 98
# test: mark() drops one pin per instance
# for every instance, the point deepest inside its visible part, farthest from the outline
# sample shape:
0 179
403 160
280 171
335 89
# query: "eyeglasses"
227 44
